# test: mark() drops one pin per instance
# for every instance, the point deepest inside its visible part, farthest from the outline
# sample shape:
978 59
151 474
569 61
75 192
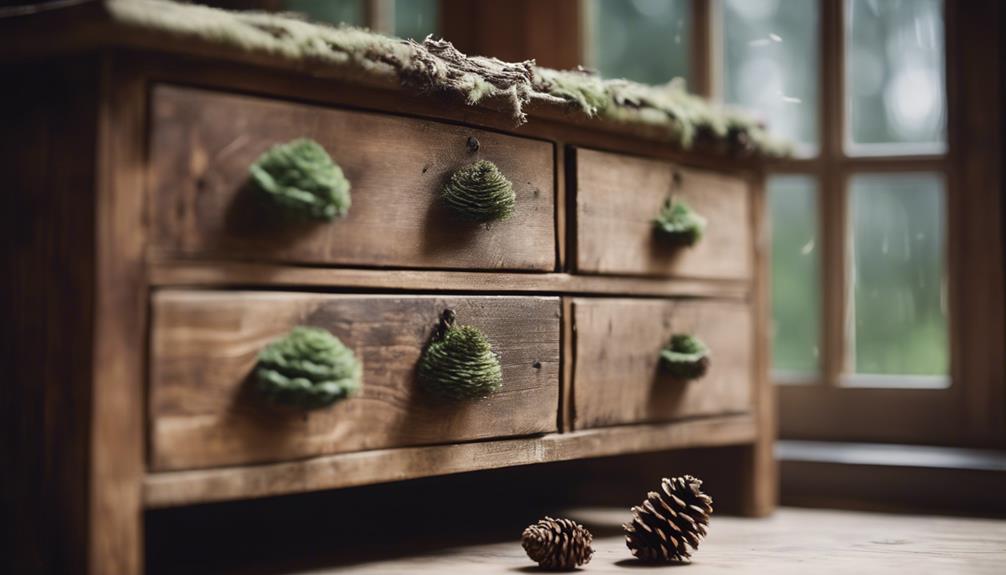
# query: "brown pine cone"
558 543
670 521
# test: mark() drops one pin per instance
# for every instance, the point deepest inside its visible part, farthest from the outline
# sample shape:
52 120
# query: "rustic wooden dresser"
143 280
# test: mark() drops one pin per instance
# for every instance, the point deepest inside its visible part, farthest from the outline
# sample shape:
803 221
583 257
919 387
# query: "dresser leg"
760 486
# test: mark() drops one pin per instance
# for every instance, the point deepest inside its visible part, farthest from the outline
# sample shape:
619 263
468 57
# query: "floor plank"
792 541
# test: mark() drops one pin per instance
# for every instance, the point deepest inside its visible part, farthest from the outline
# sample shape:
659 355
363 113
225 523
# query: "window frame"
970 410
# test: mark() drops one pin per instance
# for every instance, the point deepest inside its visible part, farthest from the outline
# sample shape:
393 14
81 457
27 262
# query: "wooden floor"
793 541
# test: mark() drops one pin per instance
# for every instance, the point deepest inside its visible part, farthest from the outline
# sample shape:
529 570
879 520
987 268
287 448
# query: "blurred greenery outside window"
770 64
796 272
897 302
413 19
643 40
329 11
895 97
895 327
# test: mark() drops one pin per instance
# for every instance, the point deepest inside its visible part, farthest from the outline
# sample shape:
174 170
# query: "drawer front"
202 205
617 199
205 410
618 375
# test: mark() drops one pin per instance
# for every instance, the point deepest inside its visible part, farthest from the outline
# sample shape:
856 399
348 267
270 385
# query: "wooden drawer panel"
618 376
205 412
617 199
203 143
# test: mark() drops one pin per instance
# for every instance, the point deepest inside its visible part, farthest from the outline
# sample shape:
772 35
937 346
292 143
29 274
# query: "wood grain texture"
47 232
759 486
617 199
204 411
172 488
176 273
120 307
202 144
794 542
619 379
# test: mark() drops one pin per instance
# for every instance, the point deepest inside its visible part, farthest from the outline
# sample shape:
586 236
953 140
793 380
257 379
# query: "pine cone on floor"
558 543
670 521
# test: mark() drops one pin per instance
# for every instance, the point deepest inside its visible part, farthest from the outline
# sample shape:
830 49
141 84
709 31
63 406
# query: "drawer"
617 199
201 204
205 411
619 378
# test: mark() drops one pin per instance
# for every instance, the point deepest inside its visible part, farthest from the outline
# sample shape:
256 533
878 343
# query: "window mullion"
832 205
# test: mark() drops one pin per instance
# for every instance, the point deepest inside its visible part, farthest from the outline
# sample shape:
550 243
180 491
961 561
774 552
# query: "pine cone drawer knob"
459 363
670 521
559 544
308 368
686 357
678 224
301 178
480 192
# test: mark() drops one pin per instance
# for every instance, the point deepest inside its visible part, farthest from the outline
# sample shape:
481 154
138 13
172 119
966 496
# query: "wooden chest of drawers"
146 280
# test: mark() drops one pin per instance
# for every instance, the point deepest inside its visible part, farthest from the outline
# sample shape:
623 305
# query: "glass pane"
897 305
331 11
796 290
415 19
895 89
770 64
643 40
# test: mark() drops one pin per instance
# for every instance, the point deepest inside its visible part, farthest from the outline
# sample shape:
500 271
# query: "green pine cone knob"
480 192
686 357
678 224
459 362
308 368
302 178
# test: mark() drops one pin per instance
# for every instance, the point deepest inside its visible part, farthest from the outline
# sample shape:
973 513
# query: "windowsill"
890 477
891 455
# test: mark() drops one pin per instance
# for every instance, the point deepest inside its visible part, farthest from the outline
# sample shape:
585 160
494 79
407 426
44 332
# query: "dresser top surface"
431 69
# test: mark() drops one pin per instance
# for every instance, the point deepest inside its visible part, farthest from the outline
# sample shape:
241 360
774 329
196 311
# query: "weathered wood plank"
166 489
202 144
120 308
617 199
618 374
204 346
47 254
229 274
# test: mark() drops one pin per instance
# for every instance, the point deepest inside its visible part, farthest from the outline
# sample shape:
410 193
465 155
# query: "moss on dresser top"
435 66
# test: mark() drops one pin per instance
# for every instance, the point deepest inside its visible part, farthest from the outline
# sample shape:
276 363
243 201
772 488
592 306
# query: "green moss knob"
459 362
302 178
480 192
308 368
685 357
678 224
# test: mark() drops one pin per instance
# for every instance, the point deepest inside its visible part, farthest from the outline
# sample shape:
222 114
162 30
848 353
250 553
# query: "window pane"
897 297
331 11
796 299
770 64
894 77
415 19
643 40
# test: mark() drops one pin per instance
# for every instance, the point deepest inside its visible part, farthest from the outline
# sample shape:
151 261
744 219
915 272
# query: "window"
414 19
869 191
624 35
866 218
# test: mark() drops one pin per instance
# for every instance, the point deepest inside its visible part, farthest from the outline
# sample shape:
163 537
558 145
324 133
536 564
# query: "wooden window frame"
972 410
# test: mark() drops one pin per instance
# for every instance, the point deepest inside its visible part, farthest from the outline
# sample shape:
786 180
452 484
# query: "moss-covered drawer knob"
308 368
300 177
678 224
459 362
480 192
685 357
